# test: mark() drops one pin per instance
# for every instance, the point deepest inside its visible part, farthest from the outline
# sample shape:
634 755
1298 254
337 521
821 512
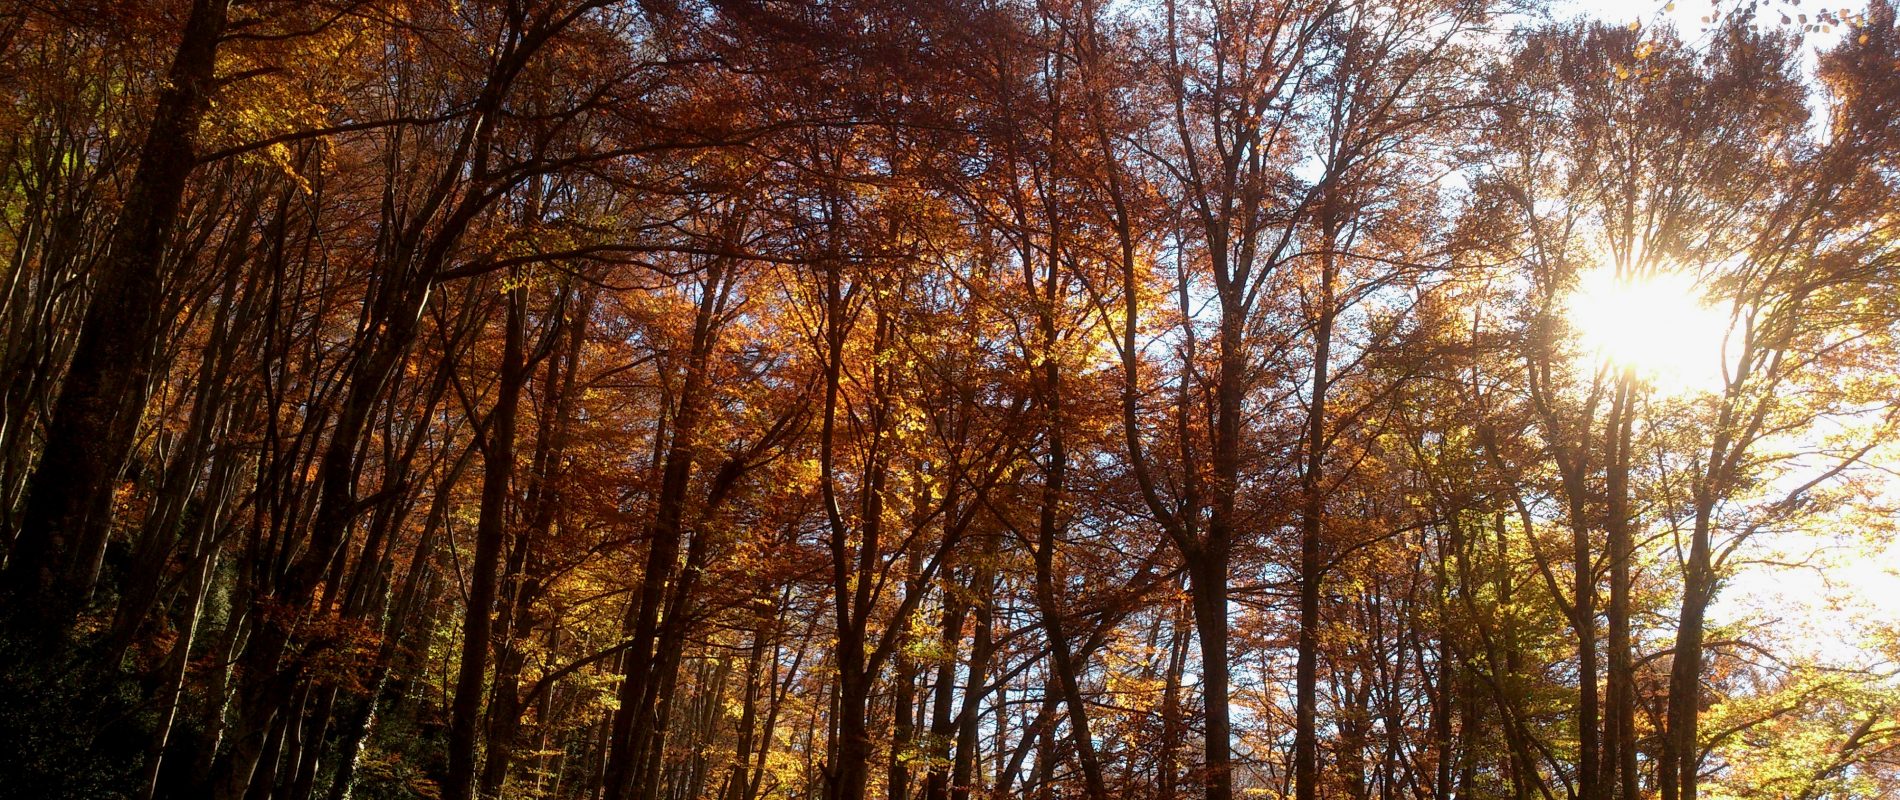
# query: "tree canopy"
949 399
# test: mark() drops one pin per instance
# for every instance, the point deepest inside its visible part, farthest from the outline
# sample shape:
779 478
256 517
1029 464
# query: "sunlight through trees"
949 399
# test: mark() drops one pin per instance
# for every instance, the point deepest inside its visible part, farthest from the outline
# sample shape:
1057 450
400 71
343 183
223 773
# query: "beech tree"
937 400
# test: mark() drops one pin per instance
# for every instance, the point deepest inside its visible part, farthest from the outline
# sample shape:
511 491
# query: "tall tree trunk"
669 650
855 546
637 693
739 784
903 721
1312 520
63 529
491 530
1208 565
1208 586
1681 762
849 771
982 649
1049 528
1167 766
943 725
526 574
1585 623
1618 767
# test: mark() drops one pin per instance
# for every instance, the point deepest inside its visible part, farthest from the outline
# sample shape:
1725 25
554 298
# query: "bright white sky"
1688 15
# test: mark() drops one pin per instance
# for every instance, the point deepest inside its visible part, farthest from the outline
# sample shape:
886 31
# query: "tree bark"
55 560
637 688
1312 520
491 531
1618 765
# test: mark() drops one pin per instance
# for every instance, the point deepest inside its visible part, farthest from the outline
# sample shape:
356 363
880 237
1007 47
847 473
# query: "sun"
1657 324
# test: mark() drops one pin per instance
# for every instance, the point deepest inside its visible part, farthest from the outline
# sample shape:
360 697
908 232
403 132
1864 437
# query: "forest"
949 400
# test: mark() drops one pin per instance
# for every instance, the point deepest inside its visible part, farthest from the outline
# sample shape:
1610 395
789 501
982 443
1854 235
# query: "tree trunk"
67 515
943 723
1312 520
903 725
982 649
738 786
1618 767
1585 624
1681 756
526 574
491 530
637 690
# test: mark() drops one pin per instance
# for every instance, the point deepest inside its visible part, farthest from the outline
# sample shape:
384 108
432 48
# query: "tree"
678 400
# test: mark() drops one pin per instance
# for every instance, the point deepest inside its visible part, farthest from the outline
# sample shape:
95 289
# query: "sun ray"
1657 324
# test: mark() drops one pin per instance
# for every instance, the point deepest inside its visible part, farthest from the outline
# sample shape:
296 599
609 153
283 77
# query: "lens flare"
1657 325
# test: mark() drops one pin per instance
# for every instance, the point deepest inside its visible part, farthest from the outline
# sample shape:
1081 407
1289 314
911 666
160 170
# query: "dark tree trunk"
491 530
633 720
1618 765
63 529
1681 751
1312 564
943 724
739 784
526 575
982 649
